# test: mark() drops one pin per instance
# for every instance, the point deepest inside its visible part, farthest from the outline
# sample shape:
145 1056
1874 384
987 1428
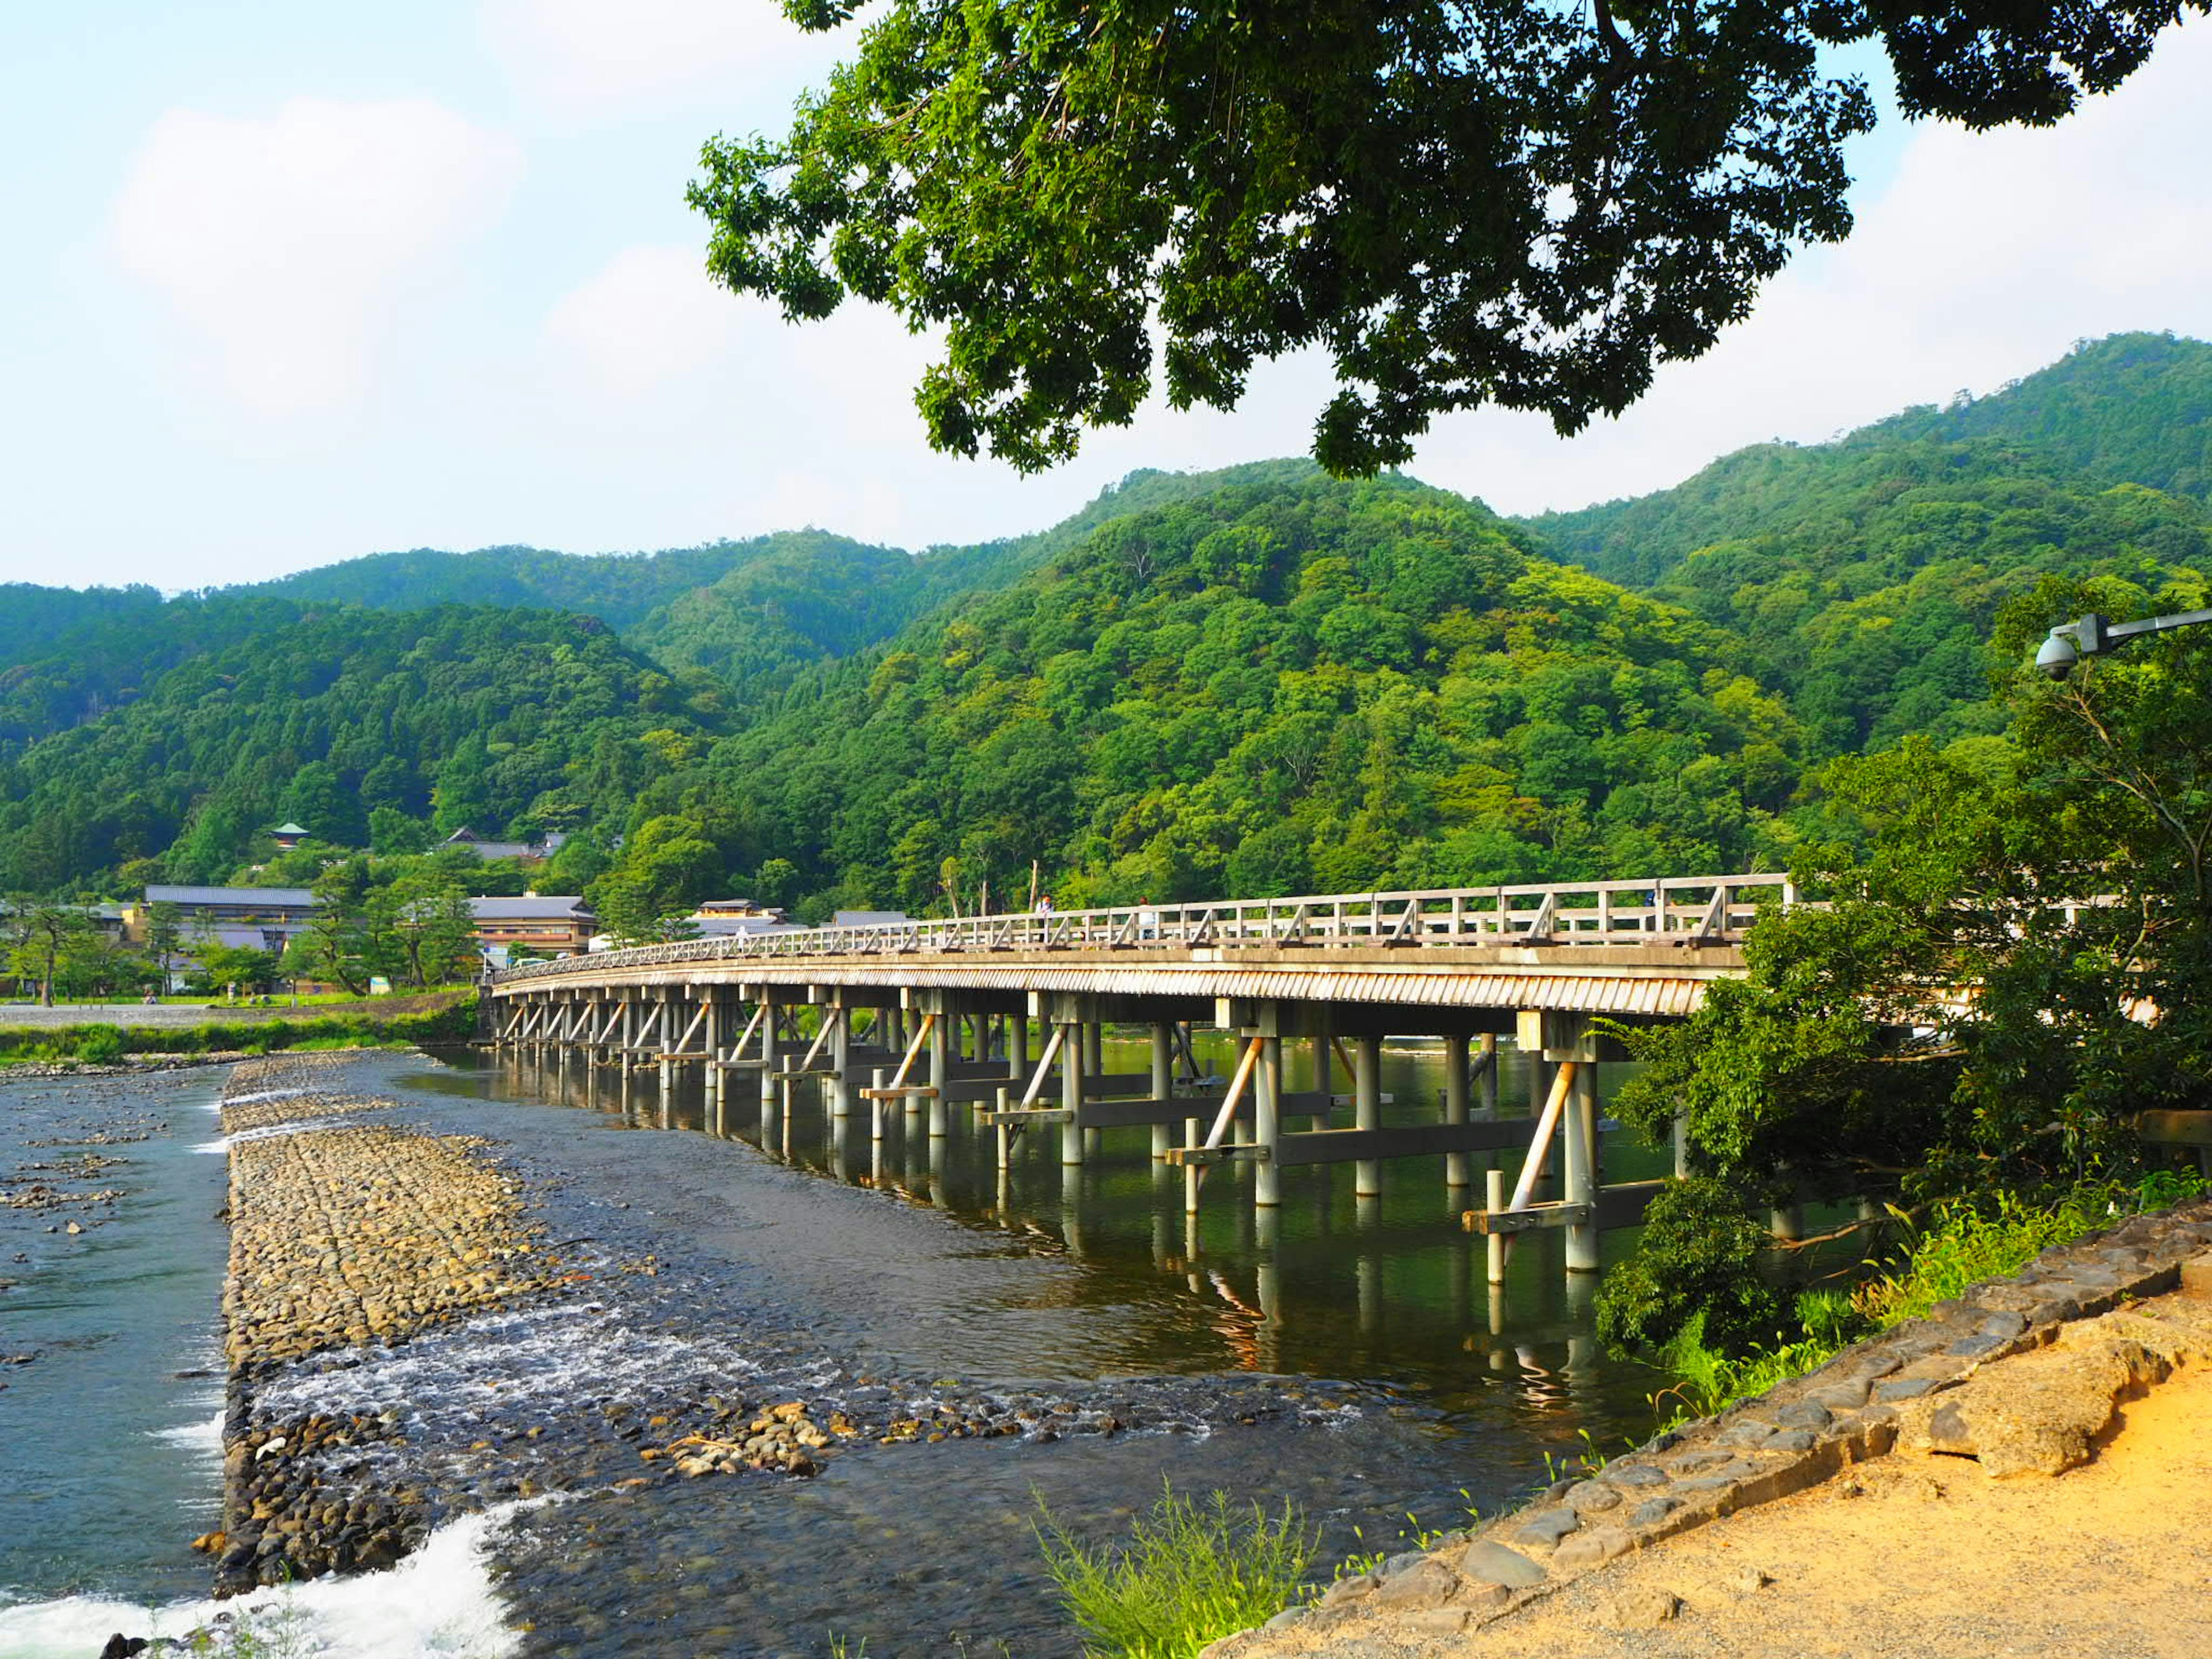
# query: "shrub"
101 1045
1699 1259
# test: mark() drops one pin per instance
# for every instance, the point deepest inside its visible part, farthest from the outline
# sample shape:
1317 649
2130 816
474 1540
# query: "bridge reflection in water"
1330 1281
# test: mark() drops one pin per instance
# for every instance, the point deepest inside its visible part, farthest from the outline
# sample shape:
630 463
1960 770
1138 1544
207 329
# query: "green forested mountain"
2128 409
1289 684
619 588
1252 681
329 713
1865 575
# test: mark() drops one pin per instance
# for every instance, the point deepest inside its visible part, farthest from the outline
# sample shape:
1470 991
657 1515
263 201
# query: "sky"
288 285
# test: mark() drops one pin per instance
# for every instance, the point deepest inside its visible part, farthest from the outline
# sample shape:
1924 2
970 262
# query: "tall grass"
1189 1574
1959 1243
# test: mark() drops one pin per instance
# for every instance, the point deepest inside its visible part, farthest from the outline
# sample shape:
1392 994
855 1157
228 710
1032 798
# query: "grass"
1961 1243
444 1017
1190 1573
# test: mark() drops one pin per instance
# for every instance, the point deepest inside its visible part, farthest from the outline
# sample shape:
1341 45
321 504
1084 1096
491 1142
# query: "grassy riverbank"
1960 1243
440 1016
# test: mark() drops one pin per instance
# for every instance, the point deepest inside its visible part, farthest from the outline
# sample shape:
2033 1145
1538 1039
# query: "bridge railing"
1673 909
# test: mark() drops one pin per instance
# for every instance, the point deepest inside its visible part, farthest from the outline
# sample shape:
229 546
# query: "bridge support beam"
1163 1084
1071 1144
1367 1109
1456 1106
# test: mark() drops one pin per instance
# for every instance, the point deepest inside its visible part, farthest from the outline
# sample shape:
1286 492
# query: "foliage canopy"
1520 202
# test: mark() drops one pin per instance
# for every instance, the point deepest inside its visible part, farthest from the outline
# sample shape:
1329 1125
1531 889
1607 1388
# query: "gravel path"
1925 1556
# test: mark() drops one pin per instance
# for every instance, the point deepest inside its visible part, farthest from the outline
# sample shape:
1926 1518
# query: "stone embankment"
2022 1374
342 1236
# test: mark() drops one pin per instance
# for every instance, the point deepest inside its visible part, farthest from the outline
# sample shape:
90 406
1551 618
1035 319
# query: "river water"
1346 1355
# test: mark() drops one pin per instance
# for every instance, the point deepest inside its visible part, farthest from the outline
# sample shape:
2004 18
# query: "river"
1346 1355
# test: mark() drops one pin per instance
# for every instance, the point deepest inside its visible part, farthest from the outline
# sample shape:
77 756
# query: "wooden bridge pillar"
941 1050
1367 1109
1163 1084
1071 1146
1456 1106
840 1014
1266 1123
770 1040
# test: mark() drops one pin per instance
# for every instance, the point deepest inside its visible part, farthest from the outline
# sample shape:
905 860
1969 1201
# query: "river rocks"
1425 1583
1548 1527
1491 1562
1642 1609
1589 1546
341 1237
2041 1412
1589 1497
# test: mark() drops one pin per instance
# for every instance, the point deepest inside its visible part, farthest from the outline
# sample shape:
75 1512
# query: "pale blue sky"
290 284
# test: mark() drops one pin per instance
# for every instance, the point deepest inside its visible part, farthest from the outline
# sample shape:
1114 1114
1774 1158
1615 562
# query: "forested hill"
1864 574
2129 409
1282 685
1244 681
348 719
748 610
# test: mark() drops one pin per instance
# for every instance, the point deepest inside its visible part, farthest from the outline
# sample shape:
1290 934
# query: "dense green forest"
1255 681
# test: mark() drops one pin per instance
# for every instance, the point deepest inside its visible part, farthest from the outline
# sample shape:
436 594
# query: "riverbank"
2025 1375
104 1038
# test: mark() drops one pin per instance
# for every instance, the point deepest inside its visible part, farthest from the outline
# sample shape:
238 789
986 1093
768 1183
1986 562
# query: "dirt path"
1925 1555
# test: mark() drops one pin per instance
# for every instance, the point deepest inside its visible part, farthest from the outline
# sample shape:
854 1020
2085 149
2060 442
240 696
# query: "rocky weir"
342 1236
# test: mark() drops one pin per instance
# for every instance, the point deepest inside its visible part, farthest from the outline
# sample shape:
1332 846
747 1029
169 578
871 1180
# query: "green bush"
1190 1574
1699 1259
1961 1243
101 1045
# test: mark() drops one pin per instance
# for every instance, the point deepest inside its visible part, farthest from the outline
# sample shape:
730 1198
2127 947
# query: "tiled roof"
289 897
542 906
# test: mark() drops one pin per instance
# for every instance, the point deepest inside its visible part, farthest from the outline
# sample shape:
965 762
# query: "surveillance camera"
2057 656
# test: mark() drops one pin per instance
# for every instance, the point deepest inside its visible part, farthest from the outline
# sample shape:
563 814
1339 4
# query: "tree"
668 867
2017 961
1462 203
334 944
230 968
434 926
40 934
165 934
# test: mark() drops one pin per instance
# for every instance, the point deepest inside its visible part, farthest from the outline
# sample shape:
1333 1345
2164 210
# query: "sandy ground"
1925 1556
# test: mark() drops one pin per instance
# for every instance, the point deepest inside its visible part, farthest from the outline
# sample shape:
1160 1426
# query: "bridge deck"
1643 948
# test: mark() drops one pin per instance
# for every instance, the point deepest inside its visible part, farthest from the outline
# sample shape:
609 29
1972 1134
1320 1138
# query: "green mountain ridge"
1246 681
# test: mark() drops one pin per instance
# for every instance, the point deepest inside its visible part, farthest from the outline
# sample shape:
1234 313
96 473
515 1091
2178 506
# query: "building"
545 847
555 924
287 836
255 918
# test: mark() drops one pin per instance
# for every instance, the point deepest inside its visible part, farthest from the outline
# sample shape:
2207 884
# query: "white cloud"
1987 255
286 241
621 51
648 316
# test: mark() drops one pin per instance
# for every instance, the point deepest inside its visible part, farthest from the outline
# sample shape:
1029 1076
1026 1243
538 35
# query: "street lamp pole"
2092 636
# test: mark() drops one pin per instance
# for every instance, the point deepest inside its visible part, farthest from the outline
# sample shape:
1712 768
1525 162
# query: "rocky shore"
129 1065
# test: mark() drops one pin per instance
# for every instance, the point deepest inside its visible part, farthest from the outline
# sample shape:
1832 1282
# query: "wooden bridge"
1003 1015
